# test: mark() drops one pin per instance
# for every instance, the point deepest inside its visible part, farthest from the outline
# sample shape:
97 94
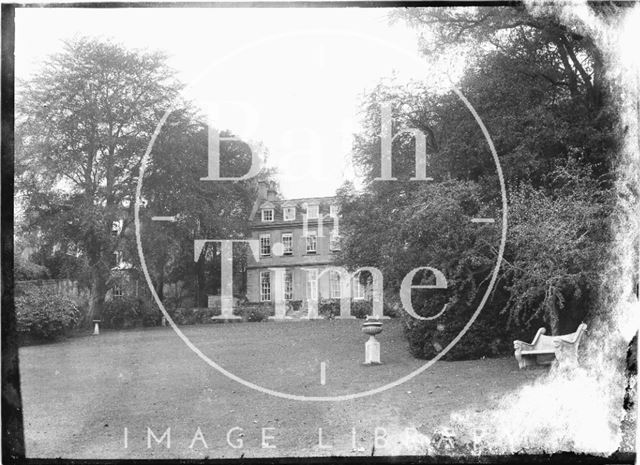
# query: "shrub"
171 303
27 270
254 311
487 336
193 315
392 307
294 305
182 316
128 312
41 315
361 308
203 315
330 308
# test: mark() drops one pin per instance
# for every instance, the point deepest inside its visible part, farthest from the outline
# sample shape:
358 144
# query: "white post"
96 328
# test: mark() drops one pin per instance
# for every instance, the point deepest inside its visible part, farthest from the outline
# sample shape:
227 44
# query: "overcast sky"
289 77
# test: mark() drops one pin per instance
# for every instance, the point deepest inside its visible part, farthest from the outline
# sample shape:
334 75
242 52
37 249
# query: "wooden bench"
544 350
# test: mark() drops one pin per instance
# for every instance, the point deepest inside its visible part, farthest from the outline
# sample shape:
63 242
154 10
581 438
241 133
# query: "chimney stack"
272 192
263 187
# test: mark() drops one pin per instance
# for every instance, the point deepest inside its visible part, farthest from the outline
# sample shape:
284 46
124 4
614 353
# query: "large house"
298 239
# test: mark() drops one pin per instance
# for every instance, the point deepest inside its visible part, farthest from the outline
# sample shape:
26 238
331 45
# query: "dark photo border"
13 444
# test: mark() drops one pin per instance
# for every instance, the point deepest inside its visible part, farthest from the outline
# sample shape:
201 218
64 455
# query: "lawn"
79 395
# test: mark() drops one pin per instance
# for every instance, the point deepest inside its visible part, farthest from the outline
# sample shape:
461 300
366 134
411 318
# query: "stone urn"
372 326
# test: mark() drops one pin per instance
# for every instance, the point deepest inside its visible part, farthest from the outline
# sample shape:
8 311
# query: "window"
313 212
117 291
116 227
334 243
312 284
312 242
334 280
288 285
358 289
289 213
287 242
334 210
72 250
267 214
265 286
117 259
265 245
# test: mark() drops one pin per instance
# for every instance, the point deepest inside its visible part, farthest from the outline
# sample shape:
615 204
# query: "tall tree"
204 209
83 124
546 65
554 129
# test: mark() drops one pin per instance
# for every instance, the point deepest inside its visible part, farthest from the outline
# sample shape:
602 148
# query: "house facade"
297 241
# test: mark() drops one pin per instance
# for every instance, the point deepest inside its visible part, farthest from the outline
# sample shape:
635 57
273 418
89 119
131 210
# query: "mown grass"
79 395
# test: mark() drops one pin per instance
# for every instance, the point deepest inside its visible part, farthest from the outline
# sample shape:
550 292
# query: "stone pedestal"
372 351
372 326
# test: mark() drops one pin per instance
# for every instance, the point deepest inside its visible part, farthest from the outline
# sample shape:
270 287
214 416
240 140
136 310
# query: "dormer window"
289 213
313 212
116 290
117 259
267 215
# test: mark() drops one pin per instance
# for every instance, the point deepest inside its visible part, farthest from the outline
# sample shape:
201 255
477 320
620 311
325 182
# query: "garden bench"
544 350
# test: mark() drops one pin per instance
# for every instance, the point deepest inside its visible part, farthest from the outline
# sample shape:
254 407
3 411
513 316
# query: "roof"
267 204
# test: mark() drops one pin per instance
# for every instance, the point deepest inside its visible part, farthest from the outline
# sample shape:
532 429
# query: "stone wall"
64 287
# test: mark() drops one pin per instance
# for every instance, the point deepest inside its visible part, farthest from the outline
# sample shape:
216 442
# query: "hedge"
129 312
487 336
44 316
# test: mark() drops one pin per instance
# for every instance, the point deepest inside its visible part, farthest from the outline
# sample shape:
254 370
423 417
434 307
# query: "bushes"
294 305
193 316
201 315
361 308
487 336
254 311
129 312
25 270
41 315
330 308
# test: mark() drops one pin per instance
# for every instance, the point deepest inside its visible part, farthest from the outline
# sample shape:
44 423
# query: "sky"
290 78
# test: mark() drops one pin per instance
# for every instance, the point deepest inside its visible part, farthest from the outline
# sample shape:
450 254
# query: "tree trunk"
98 291
160 285
200 281
554 317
